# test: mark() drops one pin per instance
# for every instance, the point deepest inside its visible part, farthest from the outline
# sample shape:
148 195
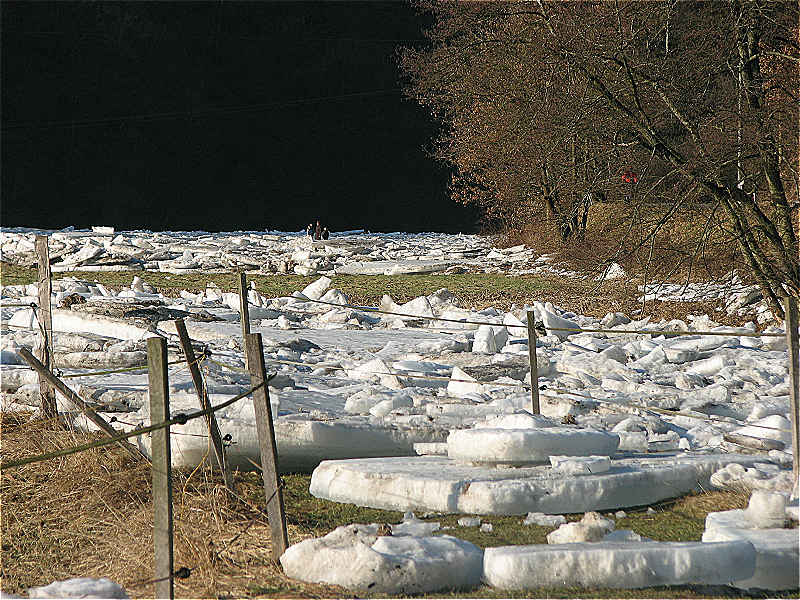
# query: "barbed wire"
180 419
665 411
110 371
120 370
620 403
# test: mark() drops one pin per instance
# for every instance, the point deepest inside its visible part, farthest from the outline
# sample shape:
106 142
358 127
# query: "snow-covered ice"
358 557
352 383
591 528
527 446
543 520
762 524
80 587
628 418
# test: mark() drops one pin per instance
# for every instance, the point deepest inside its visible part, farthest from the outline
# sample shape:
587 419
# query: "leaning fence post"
45 318
534 366
791 324
76 400
244 312
266 440
162 476
211 421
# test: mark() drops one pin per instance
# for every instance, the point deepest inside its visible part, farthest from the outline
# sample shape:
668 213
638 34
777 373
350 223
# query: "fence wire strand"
180 419
576 330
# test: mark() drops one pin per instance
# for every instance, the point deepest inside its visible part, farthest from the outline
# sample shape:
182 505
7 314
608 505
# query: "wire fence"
551 392
178 419
540 325
619 403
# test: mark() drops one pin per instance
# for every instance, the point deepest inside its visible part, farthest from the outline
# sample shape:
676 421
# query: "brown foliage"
551 107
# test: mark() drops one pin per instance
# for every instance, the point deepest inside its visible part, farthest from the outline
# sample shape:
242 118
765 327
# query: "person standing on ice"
325 233
310 229
318 231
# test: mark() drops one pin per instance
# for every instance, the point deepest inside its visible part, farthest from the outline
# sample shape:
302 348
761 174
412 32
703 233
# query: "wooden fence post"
162 468
791 324
78 403
269 451
244 313
202 394
534 366
44 348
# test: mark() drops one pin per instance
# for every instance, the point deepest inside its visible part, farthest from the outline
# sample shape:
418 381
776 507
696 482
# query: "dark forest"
217 116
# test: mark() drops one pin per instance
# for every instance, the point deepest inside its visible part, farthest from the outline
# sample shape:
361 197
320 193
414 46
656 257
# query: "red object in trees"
630 177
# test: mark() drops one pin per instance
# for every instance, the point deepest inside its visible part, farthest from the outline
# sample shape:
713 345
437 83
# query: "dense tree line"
551 106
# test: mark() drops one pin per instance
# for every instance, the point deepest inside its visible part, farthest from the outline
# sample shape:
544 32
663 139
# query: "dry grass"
90 514
673 254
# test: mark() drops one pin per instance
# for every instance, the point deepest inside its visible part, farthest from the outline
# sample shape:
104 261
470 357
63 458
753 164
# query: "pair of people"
317 232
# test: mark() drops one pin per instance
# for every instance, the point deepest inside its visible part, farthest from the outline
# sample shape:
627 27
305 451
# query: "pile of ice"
591 528
354 252
738 297
355 383
766 476
398 559
370 372
624 414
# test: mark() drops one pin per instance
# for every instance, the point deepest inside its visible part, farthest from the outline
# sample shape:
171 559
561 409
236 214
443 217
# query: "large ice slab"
73 321
395 267
302 442
527 446
776 550
617 564
358 558
433 483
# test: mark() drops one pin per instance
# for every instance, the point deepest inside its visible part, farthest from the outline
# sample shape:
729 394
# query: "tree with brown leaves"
548 106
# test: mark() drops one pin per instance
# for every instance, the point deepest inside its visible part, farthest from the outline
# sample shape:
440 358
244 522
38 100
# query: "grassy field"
90 514
472 290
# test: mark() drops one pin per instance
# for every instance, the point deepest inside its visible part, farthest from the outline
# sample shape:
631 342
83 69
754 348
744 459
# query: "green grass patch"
477 290
680 519
472 290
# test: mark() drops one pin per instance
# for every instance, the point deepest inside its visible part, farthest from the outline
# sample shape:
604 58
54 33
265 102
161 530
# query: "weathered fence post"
78 403
534 366
211 421
791 325
162 466
244 312
266 440
44 348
